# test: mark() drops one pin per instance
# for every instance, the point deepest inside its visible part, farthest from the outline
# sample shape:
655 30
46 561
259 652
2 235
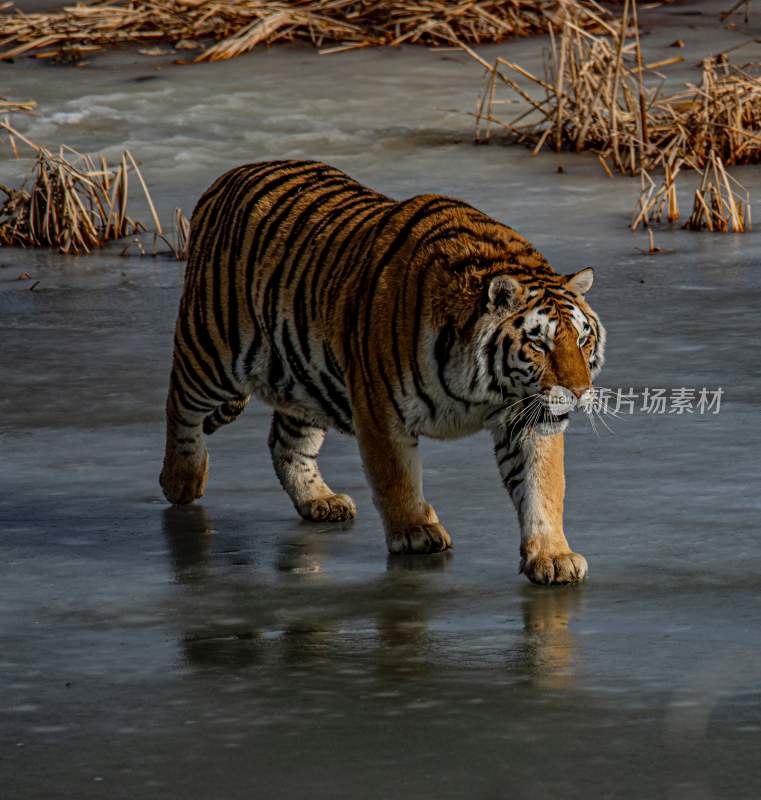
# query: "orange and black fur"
342 308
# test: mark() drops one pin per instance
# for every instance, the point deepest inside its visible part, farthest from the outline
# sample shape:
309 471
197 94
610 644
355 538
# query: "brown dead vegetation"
721 203
657 202
233 27
70 201
598 94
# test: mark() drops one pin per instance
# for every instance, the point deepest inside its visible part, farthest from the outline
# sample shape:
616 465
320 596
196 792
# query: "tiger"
344 309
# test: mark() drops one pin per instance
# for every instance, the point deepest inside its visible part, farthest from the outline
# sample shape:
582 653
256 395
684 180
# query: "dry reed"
597 95
181 235
237 26
70 201
721 203
718 204
177 242
7 106
657 202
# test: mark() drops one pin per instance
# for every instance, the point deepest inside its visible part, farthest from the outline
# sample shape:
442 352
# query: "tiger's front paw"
333 508
547 568
424 538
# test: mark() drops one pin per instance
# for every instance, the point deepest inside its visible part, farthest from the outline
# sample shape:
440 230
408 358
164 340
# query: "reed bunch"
227 28
71 201
598 93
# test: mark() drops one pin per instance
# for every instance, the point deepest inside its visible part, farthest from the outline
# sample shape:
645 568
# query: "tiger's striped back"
297 273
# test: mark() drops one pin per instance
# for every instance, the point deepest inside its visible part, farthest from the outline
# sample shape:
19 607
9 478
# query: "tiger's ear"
504 293
581 281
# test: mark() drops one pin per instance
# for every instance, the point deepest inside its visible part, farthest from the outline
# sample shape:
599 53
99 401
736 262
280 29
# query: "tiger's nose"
584 396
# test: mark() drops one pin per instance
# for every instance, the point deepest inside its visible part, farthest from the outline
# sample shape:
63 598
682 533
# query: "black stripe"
300 318
401 297
317 259
188 404
275 371
445 341
204 339
199 392
212 232
255 192
355 250
251 258
296 226
507 343
284 202
357 193
417 375
304 380
476 237
371 277
491 355
330 361
390 392
190 342
253 349
337 396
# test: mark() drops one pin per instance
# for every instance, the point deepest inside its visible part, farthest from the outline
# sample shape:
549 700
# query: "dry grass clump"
596 97
721 203
718 205
657 202
239 25
721 116
70 201
177 241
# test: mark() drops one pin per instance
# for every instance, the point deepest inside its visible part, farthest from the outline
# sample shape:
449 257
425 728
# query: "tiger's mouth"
558 402
537 412
550 423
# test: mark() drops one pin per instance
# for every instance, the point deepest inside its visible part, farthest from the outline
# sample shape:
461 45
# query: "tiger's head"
539 346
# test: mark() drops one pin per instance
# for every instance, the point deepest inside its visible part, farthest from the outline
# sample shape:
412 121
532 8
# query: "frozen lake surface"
229 650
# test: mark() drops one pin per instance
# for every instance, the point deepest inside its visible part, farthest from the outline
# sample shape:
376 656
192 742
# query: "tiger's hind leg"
189 415
186 462
295 445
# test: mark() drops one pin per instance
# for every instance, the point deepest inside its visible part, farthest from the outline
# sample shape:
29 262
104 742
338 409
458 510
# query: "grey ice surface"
228 650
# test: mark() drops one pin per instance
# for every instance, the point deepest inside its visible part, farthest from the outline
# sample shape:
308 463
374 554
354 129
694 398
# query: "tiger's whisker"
532 407
602 419
592 424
